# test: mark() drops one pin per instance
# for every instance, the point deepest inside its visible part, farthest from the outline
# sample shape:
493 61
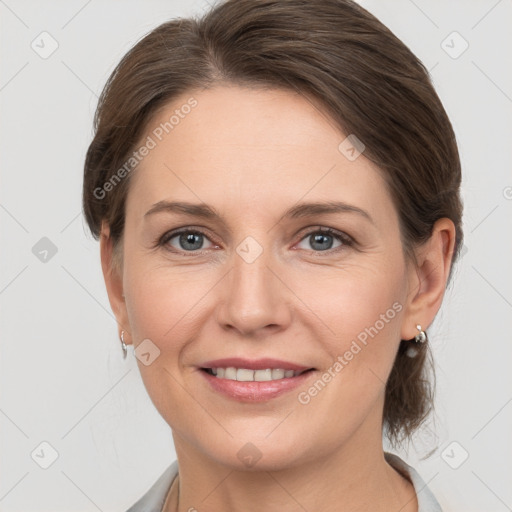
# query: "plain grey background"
63 381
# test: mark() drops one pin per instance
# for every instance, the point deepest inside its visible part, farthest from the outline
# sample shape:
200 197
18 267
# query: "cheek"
151 312
351 298
162 299
160 310
359 309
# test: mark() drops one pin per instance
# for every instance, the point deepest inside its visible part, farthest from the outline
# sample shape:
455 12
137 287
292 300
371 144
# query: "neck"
354 477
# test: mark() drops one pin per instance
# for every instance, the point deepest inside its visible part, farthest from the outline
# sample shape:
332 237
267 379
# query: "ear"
114 282
427 279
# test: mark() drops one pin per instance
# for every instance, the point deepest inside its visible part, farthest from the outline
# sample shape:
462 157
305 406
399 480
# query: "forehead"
240 147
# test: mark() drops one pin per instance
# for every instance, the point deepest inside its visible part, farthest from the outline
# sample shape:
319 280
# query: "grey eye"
188 241
320 241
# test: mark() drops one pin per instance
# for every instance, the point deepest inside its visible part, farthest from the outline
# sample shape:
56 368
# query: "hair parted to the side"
364 79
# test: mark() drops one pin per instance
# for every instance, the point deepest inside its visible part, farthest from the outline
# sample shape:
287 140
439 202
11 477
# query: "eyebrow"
297 211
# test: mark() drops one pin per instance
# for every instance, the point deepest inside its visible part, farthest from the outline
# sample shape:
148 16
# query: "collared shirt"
154 498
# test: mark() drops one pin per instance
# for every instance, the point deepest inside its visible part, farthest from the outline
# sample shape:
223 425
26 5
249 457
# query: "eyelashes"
164 241
191 235
343 238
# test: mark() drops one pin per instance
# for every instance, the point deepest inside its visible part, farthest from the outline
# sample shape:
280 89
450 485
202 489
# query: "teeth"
230 373
246 375
261 375
277 374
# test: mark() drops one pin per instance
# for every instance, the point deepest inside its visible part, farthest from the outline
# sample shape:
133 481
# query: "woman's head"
254 110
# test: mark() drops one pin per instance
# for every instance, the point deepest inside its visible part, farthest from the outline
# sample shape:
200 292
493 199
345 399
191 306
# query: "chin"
254 453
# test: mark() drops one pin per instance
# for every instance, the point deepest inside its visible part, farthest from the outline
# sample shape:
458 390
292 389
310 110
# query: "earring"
421 337
125 348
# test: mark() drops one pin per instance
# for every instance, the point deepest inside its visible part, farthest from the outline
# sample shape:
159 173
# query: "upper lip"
253 364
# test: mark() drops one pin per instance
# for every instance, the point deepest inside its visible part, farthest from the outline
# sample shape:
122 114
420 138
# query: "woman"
275 188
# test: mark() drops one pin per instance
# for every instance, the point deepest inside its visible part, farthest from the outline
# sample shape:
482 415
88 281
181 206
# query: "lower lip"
255 391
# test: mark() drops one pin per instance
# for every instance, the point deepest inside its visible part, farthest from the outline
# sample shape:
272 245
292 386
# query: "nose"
255 300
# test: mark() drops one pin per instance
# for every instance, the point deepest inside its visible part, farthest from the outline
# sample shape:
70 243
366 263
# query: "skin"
252 154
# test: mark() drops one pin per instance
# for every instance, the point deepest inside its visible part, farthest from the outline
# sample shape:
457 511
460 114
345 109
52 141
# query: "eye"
188 240
321 239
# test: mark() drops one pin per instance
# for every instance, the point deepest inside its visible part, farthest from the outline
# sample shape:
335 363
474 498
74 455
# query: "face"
260 282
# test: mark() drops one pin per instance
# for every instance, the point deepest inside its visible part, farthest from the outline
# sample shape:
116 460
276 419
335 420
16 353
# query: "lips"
254 364
253 380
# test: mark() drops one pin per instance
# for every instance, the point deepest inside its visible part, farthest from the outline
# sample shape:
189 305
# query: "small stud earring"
421 337
125 348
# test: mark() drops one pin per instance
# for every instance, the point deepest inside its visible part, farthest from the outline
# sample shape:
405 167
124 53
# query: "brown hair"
333 51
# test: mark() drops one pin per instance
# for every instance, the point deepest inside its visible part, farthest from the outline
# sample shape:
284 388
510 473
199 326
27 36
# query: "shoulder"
427 502
153 499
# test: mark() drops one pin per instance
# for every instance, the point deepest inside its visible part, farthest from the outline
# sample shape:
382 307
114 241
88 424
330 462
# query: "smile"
248 375
253 381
